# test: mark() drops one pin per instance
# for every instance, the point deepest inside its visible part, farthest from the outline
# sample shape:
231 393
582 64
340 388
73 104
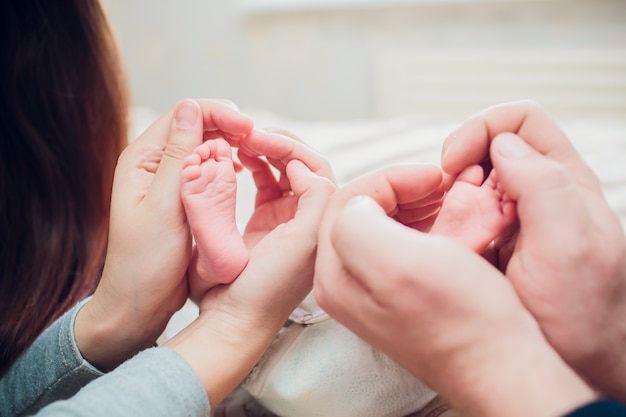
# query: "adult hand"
409 194
263 153
273 205
434 306
284 213
238 321
568 258
143 281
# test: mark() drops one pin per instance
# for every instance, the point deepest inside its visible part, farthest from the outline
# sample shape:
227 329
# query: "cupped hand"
143 281
441 311
264 153
567 259
294 184
283 254
409 194
238 321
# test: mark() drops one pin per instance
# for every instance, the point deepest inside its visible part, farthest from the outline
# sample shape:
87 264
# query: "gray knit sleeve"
157 382
53 379
51 369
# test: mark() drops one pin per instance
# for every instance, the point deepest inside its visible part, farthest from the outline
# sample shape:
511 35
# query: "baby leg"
208 192
474 212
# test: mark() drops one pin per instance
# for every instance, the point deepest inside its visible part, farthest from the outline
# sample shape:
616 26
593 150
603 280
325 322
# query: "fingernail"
512 146
186 114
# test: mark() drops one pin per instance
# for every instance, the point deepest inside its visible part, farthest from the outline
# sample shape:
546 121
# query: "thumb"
313 192
393 262
367 241
184 136
550 204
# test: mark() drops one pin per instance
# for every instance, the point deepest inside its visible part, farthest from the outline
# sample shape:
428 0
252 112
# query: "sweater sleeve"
601 408
157 382
52 379
51 369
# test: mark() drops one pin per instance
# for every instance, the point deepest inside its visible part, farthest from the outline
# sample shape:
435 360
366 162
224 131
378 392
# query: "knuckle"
175 151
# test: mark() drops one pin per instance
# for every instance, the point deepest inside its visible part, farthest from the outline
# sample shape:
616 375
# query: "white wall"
337 63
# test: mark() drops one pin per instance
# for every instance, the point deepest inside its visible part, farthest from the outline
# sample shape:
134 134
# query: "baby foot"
208 192
474 212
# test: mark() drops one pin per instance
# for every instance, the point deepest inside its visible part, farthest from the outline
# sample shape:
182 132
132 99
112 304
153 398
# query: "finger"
284 149
264 180
550 205
313 192
415 217
390 186
221 118
285 132
473 174
283 182
185 134
419 214
304 182
370 221
470 143
143 153
367 242
400 185
435 196
281 169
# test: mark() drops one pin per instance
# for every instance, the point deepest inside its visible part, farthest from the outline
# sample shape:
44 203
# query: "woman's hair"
63 125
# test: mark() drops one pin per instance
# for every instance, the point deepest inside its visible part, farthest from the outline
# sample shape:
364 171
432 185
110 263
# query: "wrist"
222 349
605 367
524 378
106 337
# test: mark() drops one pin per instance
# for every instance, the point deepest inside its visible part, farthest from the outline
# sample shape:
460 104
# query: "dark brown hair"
63 123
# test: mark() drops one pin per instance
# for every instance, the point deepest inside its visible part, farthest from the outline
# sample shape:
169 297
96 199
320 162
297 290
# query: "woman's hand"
238 321
143 281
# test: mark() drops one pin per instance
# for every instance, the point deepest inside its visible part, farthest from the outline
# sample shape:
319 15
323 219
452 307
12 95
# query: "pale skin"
144 279
567 260
238 321
149 238
281 236
558 301
475 210
439 310
208 192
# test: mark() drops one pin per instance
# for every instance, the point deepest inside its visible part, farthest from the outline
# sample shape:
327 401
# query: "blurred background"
335 60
